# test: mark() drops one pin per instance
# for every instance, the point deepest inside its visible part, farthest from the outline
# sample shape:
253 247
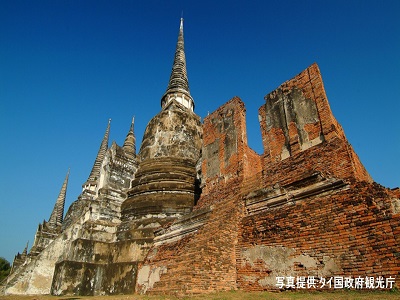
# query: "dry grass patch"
234 295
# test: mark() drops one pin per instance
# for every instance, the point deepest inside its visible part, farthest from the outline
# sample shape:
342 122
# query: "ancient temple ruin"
196 210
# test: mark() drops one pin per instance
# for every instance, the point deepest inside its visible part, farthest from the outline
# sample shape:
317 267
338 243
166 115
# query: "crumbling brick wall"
319 213
350 233
315 213
300 134
202 262
227 159
306 208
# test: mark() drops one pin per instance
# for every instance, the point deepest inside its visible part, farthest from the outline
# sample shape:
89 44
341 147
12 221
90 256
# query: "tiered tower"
48 231
19 259
162 187
129 146
165 181
89 188
91 260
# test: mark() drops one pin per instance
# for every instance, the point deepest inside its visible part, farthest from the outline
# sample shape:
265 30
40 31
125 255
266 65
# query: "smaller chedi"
46 232
196 210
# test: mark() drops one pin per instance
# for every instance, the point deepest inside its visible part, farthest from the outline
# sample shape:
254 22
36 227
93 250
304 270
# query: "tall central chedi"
161 189
165 182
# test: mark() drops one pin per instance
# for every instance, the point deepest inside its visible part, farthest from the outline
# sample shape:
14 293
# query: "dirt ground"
234 295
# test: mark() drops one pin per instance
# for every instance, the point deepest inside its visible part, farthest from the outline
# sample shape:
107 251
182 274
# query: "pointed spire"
25 252
95 173
178 86
130 140
57 214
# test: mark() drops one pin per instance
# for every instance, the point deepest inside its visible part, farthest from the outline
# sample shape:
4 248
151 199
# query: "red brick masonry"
305 207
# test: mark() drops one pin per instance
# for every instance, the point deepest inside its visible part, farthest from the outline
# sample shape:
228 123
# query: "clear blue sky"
66 67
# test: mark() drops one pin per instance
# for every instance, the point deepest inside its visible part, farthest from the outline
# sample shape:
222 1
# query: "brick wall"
300 134
202 262
353 232
226 155
349 228
307 207
205 261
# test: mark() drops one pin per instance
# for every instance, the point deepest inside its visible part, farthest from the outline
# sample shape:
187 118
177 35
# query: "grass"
235 295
